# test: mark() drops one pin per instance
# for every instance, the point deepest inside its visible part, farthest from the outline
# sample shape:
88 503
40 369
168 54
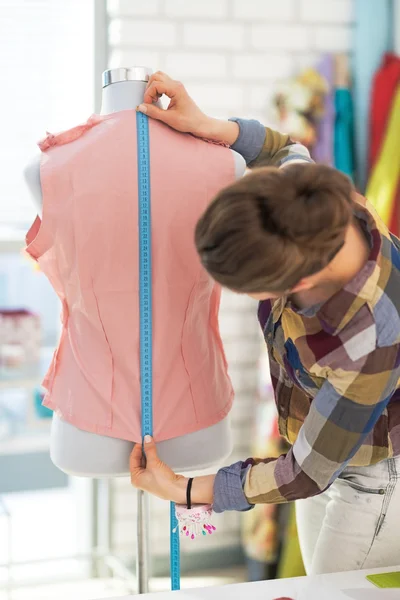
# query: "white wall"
229 53
396 20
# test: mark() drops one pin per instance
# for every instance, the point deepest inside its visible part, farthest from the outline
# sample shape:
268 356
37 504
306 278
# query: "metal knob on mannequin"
126 74
123 88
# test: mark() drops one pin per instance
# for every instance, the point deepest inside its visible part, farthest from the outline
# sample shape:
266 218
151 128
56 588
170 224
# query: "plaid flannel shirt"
335 370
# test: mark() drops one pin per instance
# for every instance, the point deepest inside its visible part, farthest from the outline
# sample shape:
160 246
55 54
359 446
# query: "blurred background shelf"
26 444
19 384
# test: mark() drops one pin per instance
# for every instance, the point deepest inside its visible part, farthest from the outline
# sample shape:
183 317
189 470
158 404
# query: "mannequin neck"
124 95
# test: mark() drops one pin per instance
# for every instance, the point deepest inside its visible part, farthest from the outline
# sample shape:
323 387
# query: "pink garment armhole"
32 238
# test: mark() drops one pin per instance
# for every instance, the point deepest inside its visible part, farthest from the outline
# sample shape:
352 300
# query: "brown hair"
274 227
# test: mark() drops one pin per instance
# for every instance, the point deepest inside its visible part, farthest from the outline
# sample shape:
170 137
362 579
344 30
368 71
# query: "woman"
296 236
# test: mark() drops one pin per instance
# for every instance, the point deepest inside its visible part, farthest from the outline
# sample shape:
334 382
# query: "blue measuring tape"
146 317
145 291
175 555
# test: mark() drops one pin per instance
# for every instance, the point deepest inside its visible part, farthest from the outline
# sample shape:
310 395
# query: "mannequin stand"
142 544
105 562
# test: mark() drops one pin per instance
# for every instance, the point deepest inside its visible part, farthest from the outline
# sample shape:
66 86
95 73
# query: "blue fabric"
298 372
343 133
228 489
251 138
395 253
322 151
372 37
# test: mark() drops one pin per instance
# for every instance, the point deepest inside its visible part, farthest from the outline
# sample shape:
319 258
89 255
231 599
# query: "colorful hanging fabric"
394 225
372 38
343 133
382 187
384 87
299 104
322 151
291 562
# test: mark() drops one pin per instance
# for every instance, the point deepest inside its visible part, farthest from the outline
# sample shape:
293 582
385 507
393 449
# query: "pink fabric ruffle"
64 137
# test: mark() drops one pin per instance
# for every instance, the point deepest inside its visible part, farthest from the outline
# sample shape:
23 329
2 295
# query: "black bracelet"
188 493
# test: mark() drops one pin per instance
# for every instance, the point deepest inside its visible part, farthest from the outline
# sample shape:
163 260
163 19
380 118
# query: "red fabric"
384 86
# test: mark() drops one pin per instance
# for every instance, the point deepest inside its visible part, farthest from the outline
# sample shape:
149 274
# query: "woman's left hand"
154 476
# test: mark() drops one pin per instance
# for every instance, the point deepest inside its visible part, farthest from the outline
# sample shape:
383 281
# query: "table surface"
341 586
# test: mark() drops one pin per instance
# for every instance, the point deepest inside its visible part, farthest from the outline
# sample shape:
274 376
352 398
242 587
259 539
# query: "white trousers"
355 524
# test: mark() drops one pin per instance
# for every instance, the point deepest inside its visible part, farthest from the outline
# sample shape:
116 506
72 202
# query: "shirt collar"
335 313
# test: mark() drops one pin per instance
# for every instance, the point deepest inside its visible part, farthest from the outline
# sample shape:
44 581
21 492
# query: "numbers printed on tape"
174 550
146 321
146 325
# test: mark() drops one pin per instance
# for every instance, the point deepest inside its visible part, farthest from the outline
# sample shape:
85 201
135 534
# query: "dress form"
77 452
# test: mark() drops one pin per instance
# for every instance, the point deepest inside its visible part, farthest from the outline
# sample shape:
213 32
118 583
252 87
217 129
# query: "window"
47 71
47 83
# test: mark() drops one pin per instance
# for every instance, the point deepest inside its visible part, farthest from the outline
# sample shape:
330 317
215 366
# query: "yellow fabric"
381 190
291 563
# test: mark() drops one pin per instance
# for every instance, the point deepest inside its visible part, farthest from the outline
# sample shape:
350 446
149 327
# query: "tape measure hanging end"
175 561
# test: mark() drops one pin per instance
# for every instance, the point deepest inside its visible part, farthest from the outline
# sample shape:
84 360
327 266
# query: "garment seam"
188 312
110 418
393 478
360 488
389 493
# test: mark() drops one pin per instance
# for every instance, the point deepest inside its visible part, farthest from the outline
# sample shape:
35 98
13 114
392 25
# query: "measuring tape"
146 320
145 292
175 555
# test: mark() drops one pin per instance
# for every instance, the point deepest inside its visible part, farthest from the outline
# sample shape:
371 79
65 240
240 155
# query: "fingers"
135 460
158 76
154 112
136 457
138 463
150 450
137 466
157 87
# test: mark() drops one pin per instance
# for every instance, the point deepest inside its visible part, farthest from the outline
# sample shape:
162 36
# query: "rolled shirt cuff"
251 138
228 489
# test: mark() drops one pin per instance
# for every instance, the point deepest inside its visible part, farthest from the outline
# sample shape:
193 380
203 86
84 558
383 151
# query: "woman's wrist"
178 491
202 490
218 130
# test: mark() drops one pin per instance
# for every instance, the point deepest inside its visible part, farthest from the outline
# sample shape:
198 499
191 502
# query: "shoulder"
385 304
382 290
372 329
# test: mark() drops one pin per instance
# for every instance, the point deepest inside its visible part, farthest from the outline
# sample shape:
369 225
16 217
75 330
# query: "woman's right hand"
183 114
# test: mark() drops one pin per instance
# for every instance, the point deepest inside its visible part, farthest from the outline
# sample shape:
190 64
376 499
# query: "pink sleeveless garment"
87 246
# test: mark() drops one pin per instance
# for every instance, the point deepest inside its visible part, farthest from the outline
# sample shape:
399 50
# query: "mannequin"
77 452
